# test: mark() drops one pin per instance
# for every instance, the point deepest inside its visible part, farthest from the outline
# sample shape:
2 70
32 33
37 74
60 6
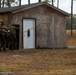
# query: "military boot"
4 49
0 49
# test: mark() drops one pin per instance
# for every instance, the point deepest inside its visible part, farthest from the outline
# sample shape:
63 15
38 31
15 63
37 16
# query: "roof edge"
41 3
36 4
60 10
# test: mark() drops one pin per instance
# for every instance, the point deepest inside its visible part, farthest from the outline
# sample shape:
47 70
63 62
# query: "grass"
71 40
39 62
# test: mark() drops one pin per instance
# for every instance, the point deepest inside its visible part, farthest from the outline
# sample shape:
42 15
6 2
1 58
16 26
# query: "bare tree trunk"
0 3
28 1
71 17
57 3
19 2
3 4
39 0
8 2
52 2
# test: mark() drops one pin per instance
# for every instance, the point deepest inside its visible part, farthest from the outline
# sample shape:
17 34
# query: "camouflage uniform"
0 41
12 38
2 36
15 30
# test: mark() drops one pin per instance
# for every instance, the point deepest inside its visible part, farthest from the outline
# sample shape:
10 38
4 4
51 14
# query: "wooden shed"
41 25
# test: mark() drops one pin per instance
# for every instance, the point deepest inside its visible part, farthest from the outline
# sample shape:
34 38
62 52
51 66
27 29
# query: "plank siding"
50 26
6 17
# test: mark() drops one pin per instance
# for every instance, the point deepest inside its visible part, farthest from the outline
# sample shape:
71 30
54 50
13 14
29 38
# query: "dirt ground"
38 62
71 40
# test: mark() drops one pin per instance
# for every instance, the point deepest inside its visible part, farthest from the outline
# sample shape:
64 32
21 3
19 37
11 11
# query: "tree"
28 1
68 22
72 16
0 3
10 3
19 2
39 0
57 3
47 0
52 1
7 3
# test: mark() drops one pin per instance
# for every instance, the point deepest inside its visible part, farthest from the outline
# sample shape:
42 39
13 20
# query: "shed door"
28 33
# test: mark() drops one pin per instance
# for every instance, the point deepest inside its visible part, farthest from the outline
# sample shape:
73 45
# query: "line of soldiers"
8 38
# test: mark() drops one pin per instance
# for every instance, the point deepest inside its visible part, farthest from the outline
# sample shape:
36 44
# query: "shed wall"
6 17
50 26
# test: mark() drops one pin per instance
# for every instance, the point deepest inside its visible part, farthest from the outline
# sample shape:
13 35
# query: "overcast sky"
63 4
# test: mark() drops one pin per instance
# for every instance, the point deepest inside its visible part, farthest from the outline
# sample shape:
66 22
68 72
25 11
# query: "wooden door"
28 33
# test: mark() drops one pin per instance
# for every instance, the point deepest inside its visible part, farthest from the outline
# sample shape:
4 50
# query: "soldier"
12 37
0 34
2 38
9 38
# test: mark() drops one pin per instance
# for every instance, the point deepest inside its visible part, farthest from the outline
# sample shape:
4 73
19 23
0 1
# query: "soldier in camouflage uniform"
13 29
12 41
3 32
0 35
